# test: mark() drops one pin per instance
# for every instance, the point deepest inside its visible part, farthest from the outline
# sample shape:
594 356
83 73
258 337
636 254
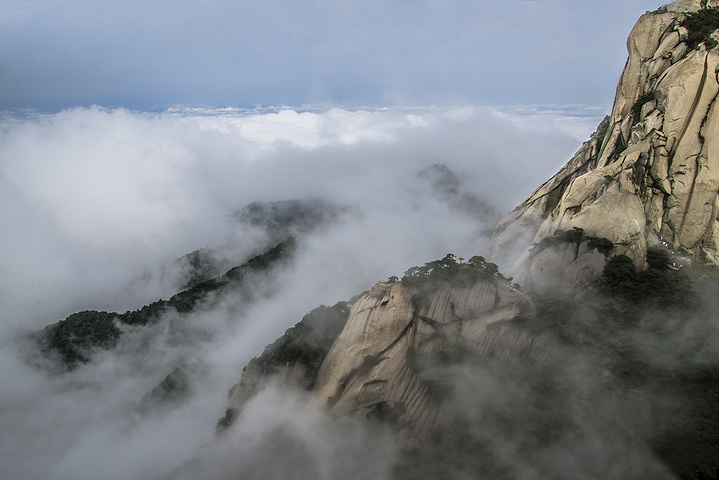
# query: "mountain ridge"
592 360
649 175
604 228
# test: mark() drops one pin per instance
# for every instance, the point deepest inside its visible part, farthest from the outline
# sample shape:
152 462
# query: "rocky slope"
373 369
461 332
373 366
648 176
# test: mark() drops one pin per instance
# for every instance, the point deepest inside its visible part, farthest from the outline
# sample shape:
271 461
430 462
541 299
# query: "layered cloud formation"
94 202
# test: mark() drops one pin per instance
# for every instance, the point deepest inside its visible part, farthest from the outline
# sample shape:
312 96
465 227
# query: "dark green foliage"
603 245
602 129
74 338
658 284
577 235
449 271
687 435
644 98
658 258
618 272
145 315
644 318
308 342
701 25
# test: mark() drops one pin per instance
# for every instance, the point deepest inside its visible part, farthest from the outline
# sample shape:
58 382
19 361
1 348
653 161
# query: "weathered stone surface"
241 392
547 267
654 174
377 322
581 273
690 5
651 176
372 362
642 44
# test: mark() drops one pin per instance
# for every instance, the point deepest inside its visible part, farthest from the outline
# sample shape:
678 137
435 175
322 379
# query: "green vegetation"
308 342
701 25
74 339
625 297
604 245
577 235
658 285
450 271
635 362
642 317
602 129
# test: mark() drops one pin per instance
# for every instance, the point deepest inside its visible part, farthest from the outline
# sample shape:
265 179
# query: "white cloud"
94 198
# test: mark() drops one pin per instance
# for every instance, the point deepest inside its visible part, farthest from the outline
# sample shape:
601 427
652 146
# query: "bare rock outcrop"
373 368
648 176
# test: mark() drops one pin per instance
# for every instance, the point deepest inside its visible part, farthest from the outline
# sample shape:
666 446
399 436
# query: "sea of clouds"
95 202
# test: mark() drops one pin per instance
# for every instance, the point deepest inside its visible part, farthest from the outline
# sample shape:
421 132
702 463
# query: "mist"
97 203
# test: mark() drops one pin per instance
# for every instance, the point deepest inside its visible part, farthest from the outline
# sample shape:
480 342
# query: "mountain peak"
649 176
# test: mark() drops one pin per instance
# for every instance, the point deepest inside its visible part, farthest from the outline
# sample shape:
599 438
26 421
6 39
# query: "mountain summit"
476 377
595 357
649 175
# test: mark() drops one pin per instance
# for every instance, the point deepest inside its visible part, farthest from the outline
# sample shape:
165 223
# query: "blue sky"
145 54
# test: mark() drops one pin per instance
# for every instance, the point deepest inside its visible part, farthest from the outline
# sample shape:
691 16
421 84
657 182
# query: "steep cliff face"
374 367
648 176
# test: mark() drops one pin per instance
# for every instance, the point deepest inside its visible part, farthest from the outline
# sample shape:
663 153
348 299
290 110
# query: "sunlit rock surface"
648 176
373 369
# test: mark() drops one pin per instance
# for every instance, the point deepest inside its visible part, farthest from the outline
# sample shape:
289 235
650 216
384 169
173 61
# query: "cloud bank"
94 203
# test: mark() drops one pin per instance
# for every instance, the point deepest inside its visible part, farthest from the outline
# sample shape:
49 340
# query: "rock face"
372 368
648 176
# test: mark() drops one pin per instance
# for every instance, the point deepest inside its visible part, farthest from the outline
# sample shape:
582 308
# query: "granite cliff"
405 350
373 366
649 176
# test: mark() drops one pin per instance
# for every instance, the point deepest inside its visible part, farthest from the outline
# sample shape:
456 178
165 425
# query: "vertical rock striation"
373 369
648 176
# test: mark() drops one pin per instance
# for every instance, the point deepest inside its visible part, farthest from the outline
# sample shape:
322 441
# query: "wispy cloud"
93 199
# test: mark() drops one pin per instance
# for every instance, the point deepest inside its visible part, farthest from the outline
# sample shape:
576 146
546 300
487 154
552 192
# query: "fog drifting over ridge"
100 195
92 199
